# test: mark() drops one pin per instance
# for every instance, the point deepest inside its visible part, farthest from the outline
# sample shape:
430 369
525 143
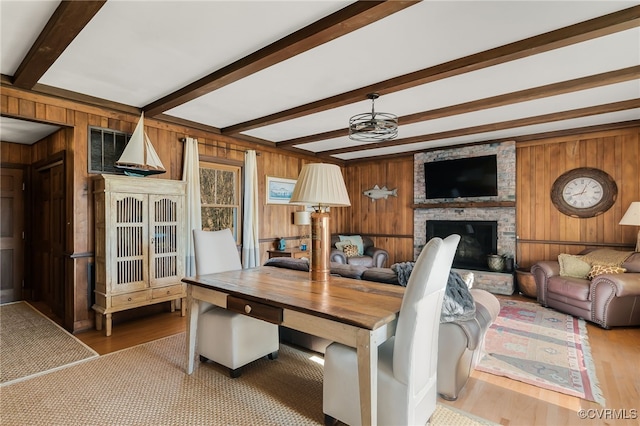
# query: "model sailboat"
139 158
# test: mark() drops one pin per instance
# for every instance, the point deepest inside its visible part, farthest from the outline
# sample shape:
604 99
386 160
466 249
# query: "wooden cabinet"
140 244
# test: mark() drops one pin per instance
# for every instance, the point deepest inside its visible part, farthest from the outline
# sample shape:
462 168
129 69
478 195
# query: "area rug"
542 347
147 385
32 344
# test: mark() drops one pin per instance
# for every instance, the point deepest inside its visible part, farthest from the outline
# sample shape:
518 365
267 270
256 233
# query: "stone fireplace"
455 214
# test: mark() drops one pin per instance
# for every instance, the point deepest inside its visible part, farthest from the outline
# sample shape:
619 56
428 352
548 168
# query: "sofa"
608 299
370 256
461 345
461 342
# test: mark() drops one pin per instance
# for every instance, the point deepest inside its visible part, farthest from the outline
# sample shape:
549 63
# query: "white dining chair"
228 338
408 361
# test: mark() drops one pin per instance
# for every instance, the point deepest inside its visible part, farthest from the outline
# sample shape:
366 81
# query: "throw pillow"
350 250
573 266
341 244
604 269
354 239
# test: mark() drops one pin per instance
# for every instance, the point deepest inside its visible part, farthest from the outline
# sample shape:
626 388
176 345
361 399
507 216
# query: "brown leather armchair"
372 256
609 300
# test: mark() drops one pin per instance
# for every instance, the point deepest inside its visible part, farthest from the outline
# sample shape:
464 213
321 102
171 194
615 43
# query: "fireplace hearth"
478 239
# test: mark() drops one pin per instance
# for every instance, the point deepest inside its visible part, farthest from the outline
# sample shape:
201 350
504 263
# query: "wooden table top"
364 304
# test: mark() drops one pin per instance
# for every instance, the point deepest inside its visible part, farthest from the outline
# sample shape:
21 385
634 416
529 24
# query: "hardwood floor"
135 332
616 354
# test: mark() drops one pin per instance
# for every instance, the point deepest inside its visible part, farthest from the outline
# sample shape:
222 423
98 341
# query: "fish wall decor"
376 193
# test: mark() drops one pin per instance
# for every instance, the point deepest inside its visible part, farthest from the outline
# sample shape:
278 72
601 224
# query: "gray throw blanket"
458 303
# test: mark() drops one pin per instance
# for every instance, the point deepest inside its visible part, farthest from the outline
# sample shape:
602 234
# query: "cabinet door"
166 225
127 236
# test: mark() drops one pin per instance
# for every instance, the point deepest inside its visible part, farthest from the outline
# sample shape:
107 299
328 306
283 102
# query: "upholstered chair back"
415 353
215 251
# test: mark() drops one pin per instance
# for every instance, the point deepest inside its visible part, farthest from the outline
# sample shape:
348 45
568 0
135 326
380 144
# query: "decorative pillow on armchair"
350 250
353 239
604 269
573 266
341 244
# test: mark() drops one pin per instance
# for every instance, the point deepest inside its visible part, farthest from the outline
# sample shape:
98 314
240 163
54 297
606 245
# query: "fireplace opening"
478 239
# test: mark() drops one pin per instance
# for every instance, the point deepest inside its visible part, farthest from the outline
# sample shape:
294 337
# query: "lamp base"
320 246
638 243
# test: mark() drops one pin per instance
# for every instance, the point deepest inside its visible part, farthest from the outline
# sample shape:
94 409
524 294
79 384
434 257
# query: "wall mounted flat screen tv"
462 177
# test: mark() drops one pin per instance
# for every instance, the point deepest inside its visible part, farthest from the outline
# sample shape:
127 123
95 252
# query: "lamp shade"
632 216
302 218
322 185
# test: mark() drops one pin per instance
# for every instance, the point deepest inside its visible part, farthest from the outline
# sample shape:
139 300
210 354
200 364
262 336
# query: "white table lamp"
302 218
320 185
632 217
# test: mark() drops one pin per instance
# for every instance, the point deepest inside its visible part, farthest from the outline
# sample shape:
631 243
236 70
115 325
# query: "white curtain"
191 175
250 243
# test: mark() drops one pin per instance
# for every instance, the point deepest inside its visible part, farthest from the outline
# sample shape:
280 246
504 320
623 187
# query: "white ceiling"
24 132
137 52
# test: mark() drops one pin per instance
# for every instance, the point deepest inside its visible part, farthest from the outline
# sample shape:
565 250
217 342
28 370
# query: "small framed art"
279 190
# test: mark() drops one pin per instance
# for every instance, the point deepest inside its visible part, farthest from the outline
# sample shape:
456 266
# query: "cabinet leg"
183 307
173 305
107 318
98 321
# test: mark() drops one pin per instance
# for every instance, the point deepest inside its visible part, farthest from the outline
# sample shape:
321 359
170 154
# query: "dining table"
356 313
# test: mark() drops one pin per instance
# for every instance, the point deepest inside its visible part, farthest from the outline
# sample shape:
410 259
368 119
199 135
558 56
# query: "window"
220 197
105 147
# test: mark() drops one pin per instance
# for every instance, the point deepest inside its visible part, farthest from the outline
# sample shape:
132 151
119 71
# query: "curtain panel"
191 175
250 241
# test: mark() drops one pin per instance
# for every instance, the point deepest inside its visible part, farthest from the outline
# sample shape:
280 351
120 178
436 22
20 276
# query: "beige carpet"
147 385
32 344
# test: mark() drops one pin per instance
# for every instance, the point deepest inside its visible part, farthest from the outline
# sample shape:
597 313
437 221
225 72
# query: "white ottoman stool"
234 340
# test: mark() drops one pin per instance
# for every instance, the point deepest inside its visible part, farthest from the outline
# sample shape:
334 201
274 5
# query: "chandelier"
373 126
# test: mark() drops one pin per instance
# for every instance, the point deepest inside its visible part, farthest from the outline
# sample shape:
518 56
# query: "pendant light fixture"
373 126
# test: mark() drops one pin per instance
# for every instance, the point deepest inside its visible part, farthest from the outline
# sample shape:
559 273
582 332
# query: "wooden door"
48 236
11 234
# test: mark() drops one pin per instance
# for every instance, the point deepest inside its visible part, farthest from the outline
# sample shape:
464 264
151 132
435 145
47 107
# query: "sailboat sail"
139 158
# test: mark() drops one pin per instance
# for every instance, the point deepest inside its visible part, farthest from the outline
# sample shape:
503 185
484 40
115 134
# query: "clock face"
582 192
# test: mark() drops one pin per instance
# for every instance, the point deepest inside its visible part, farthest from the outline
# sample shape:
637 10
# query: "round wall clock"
584 192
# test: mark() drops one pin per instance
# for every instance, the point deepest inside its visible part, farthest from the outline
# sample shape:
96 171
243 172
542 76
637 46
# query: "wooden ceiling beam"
344 21
492 127
518 139
553 89
69 18
580 32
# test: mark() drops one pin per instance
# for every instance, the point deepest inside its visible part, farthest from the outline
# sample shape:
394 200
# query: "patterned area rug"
147 385
32 344
542 347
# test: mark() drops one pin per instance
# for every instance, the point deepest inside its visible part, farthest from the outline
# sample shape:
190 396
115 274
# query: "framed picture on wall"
279 190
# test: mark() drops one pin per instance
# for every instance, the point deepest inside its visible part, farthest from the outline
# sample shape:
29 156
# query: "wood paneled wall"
543 232
75 119
388 222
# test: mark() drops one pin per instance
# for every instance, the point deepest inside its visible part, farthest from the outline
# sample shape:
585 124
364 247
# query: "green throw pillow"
573 266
